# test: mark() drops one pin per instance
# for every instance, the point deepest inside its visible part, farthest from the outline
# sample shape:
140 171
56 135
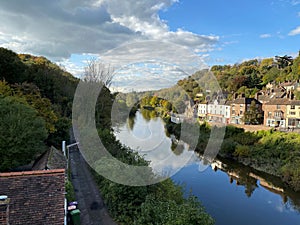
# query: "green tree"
11 68
296 68
253 115
283 61
22 134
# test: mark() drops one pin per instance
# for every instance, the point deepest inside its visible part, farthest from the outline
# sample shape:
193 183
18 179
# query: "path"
90 203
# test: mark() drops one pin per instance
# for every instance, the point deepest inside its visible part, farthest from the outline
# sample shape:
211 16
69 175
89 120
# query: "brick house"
34 197
241 105
275 112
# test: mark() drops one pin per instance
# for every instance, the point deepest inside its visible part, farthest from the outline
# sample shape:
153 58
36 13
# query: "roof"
36 197
244 101
283 101
51 159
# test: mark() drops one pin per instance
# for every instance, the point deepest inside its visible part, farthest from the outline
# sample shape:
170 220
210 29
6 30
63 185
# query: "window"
292 106
241 112
233 111
292 113
269 114
278 114
278 106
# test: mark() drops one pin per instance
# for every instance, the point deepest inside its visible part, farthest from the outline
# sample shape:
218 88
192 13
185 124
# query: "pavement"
90 202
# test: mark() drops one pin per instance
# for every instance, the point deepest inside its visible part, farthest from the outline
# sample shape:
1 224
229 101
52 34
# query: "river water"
232 193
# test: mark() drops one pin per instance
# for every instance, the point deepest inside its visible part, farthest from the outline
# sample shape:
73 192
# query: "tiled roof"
283 101
51 159
244 101
36 197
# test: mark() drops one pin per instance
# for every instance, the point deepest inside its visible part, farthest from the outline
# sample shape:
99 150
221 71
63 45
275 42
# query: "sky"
134 36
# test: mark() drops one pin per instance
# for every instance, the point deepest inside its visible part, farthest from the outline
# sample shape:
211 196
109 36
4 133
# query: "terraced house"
293 114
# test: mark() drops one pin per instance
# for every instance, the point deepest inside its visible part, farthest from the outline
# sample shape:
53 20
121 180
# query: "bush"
228 147
242 151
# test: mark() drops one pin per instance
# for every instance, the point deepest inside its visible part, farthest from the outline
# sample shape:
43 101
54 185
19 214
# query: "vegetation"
22 133
270 151
162 203
35 107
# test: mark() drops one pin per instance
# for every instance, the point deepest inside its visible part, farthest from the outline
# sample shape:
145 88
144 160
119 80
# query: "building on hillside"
275 112
241 105
270 94
290 85
217 111
293 114
33 197
202 111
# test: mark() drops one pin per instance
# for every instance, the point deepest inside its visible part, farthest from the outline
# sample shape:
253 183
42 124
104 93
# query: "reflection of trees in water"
242 178
131 122
148 114
177 148
247 177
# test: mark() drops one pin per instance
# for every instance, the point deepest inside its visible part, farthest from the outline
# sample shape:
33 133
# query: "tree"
253 114
98 72
283 61
11 67
296 68
22 134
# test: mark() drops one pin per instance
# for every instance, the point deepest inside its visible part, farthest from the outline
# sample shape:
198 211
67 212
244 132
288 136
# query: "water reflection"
231 192
146 134
251 179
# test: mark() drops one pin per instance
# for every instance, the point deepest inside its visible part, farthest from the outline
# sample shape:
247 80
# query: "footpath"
90 202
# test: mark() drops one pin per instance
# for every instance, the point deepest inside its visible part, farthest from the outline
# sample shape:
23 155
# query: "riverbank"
268 150
160 203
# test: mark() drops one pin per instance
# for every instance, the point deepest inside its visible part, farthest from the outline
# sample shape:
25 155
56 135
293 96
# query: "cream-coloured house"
293 114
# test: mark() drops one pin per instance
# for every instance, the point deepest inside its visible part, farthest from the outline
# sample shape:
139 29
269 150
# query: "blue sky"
132 31
247 29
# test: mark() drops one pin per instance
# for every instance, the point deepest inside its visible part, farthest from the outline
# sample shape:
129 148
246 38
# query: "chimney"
257 94
4 210
235 95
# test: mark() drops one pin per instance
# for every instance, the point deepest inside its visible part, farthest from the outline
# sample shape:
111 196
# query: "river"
232 193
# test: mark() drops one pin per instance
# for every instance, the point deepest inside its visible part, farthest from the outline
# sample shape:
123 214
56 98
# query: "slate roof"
51 159
36 197
244 101
283 101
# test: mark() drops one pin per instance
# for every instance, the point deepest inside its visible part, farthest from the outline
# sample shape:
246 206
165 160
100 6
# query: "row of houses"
276 106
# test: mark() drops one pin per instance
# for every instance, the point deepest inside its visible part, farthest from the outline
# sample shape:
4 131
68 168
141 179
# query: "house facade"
293 114
241 105
217 111
275 112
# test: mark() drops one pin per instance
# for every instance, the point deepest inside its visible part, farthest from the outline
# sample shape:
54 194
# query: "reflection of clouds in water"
145 136
280 206
150 140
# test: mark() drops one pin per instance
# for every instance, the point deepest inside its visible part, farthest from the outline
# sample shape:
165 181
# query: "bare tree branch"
96 71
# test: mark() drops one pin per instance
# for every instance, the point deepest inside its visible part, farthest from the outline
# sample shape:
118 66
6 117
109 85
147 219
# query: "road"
90 203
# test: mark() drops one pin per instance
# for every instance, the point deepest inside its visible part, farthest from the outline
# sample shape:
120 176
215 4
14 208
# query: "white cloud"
265 36
60 28
121 32
294 32
295 2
